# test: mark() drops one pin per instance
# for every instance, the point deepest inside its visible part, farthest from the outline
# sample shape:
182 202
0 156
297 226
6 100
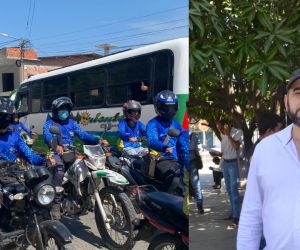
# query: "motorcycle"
165 226
25 219
86 178
139 170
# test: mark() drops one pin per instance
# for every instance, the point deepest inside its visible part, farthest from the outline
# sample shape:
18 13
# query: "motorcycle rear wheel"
122 232
166 242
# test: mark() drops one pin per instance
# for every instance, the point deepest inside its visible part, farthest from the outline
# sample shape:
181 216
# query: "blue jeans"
231 177
195 182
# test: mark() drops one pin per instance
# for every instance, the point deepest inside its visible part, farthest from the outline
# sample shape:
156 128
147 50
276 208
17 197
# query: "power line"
12 41
130 37
66 42
29 12
109 24
33 11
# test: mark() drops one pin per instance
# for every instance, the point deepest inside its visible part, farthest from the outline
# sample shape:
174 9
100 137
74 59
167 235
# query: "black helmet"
132 110
61 102
7 108
166 104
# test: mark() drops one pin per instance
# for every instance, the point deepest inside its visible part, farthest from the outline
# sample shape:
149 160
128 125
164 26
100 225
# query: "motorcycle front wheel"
53 242
166 242
120 212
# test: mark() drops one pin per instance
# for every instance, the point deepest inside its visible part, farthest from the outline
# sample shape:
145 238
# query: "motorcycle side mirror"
54 130
173 132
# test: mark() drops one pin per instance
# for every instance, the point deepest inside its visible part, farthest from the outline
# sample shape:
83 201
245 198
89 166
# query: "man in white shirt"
231 150
272 199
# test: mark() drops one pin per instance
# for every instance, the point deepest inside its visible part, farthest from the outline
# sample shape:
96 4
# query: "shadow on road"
81 231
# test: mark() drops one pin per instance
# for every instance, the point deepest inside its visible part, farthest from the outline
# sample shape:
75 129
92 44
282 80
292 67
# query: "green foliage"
241 54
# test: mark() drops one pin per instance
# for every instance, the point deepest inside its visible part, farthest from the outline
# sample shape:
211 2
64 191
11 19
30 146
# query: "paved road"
86 236
209 231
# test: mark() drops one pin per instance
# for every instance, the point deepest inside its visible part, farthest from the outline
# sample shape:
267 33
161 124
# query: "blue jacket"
11 145
183 149
68 130
156 133
125 132
18 127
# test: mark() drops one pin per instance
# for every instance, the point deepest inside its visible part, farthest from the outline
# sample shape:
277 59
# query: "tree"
241 54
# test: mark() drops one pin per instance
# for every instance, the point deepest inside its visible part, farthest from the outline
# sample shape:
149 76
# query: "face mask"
63 115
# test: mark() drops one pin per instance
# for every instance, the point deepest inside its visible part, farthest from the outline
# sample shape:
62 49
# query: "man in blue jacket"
166 106
131 130
18 126
61 108
11 144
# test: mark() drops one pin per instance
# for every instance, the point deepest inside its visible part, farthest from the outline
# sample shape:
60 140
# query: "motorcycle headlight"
44 194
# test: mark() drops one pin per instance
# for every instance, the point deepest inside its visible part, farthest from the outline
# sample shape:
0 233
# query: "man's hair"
268 121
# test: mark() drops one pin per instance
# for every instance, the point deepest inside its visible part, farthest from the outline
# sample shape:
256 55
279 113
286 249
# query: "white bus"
98 88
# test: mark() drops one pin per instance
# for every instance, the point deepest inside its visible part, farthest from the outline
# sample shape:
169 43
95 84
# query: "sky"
65 27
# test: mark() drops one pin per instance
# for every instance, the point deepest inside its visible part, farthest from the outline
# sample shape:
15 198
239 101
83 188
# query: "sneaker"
55 212
200 211
217 186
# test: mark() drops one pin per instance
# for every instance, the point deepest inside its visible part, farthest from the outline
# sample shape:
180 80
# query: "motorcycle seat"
168 201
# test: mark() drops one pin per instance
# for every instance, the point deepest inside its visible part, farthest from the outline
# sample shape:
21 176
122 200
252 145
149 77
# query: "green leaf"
281 49
285 38
190 25
275 73
199 24
254 69
261 34
217 63
199 57
268 43
265 21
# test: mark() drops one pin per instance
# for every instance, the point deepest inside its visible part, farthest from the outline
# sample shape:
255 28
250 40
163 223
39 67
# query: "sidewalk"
209 231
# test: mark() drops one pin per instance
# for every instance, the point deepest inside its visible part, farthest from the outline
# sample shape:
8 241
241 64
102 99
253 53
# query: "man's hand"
169 150
52 161
104 142
59 149
227 129
133 139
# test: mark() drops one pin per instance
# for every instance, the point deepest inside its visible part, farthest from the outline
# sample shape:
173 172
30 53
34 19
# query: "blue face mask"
63 114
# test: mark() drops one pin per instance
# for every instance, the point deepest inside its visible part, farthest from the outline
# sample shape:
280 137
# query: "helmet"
132 110
166 104
62 102
6 110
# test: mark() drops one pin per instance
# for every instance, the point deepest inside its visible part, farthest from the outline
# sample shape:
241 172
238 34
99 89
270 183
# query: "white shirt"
272 199
227 149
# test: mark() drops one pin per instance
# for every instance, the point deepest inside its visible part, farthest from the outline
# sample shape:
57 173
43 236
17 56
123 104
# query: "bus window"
117 94
35 91
163 72
128 76
53 89
23 103
87 87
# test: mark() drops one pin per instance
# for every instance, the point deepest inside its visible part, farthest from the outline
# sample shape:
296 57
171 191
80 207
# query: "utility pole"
22 45
106 47
22 50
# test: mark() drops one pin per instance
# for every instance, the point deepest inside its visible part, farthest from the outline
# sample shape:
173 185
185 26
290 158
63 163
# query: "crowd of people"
131 131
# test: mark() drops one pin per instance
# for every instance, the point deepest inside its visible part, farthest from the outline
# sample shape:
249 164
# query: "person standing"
232 145
272 199
195 165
